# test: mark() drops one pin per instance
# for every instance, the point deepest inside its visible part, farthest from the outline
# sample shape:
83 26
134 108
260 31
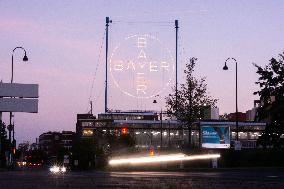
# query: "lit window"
88 132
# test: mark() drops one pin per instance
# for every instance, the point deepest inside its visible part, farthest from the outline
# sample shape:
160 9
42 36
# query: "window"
87 124
88 132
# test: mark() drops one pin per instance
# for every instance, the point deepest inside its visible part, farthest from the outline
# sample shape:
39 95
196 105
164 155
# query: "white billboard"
18 90
18 105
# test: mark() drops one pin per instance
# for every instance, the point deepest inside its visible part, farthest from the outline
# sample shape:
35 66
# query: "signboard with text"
216 136
141 66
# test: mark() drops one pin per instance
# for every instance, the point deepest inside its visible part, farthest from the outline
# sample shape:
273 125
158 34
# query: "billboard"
216 136
18 90
18 105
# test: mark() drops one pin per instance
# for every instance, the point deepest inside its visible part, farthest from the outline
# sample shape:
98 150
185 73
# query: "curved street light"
11 127
25 59
237 119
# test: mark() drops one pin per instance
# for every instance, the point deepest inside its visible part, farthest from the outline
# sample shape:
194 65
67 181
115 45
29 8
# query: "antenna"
91 104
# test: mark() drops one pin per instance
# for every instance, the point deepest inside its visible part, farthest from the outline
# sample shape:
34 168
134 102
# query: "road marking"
272 176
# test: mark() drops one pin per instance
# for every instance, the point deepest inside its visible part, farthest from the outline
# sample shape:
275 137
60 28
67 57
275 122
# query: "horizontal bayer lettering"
152 66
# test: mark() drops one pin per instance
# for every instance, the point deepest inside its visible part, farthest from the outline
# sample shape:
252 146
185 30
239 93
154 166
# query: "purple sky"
63 40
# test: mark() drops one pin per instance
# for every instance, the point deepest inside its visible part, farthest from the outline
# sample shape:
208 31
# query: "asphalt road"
221 179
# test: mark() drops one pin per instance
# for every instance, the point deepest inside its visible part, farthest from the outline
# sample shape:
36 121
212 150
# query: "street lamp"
161 124
226 68
25 59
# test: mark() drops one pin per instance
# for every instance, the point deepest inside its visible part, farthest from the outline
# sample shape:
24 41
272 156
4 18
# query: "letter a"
142 54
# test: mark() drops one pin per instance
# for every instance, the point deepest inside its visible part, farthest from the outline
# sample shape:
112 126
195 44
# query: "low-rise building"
51 142
158 132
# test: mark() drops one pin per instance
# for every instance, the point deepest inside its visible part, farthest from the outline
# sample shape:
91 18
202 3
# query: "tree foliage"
271 84
192 96
4 143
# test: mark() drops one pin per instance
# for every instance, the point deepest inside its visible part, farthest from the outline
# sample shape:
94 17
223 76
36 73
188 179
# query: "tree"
271 84
4 143
192 96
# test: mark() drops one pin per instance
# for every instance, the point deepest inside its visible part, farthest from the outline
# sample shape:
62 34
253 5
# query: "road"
221 179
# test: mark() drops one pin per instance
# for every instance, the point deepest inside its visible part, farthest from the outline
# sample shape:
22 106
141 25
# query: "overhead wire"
96 69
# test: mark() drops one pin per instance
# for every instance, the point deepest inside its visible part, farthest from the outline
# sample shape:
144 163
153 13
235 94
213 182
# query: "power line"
96 69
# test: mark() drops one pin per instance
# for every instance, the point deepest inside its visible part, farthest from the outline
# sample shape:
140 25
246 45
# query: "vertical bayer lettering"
141 84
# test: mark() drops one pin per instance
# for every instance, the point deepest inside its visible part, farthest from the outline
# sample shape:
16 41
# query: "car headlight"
54 169
63 169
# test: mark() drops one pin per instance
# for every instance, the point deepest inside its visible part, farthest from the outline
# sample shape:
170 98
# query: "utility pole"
176 26
161 124
107 24
91 104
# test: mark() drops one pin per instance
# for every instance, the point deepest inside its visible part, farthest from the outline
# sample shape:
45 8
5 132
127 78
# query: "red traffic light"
124 130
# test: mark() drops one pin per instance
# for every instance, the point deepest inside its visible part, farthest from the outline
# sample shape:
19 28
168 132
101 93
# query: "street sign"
18 105
18 90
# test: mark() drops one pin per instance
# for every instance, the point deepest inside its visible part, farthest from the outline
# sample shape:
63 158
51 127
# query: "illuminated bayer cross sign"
141 66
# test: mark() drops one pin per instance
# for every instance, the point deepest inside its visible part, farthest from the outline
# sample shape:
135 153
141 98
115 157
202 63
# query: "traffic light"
124 130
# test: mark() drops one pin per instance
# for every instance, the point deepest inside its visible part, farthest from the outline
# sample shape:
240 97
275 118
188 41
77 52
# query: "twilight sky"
65 45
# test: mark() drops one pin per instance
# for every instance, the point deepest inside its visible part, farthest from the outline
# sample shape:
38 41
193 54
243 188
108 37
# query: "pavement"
235 178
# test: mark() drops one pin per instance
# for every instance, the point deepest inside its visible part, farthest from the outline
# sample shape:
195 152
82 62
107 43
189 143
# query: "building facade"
157 132
52 142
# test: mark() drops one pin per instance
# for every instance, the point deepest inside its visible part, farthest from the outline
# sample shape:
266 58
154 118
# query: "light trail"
161 158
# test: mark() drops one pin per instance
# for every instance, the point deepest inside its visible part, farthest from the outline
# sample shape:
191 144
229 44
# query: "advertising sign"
17 97
18 105
215 136
18 90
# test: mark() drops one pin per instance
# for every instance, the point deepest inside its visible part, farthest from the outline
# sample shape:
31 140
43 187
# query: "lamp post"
11 126
237 119
161 124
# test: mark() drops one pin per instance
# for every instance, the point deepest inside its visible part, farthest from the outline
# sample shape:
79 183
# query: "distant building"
67 139
51 142
85 125
24 146
251 114
241 116
210 113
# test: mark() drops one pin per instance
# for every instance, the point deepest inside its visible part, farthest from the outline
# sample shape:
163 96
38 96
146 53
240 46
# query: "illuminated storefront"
149 130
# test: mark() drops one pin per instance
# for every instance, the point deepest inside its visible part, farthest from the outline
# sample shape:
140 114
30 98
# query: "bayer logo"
141 66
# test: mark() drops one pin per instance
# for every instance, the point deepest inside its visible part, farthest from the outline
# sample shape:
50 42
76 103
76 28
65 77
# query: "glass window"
87 124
